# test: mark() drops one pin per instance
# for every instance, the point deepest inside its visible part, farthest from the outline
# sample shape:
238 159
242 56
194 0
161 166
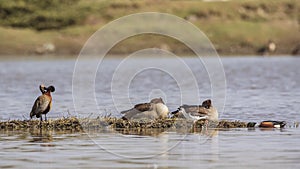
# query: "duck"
267 49
197 112
155 109
43 103
272 124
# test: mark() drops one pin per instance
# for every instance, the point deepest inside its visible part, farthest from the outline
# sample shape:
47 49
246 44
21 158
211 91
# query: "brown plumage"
142 107
43 103
199 111
155 109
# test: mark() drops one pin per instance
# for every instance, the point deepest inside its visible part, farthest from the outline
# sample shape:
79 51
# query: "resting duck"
196 112
272 124
43 103
153 110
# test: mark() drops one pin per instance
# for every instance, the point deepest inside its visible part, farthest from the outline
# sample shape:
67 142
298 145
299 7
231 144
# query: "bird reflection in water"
141 132
41 136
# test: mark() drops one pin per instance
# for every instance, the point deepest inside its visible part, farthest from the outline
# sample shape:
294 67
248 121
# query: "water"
257 89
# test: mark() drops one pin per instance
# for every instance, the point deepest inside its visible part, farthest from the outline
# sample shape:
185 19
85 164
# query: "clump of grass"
231 124
58 124
73 123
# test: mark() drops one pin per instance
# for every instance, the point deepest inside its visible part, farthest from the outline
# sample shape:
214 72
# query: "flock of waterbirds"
155 109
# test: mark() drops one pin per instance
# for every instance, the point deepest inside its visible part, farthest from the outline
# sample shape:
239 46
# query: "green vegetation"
39 15
234 27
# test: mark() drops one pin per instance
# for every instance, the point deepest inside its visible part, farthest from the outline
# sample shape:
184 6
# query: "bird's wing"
34 108
186 108
190 108
139 108
136 110
195 110
143 107
128 114
40 105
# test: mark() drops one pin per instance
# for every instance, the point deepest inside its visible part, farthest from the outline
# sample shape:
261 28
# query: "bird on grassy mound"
154 110
197 112
43 103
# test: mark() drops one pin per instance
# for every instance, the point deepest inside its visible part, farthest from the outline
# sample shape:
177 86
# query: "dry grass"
73 123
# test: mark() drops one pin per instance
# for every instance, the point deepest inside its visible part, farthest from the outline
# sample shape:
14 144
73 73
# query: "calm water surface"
257 89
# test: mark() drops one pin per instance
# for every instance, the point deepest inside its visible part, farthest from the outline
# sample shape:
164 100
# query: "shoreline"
233 27
74 57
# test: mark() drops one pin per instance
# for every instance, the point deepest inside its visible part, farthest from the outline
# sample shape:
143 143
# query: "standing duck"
197 112
153 110
43 103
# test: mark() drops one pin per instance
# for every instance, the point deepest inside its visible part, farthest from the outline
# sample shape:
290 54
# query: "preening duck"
43 88
153 110
43 103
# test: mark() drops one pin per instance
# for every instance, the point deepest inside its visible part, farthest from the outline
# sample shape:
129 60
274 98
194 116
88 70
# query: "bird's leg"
45 117
206 126
194 126
41 120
